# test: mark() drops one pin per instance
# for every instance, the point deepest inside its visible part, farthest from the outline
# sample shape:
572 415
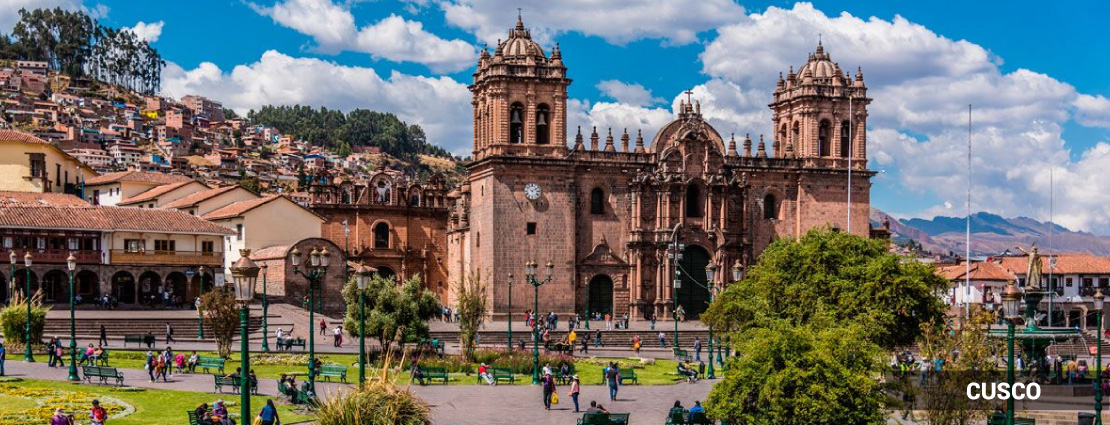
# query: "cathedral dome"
520 44
820 65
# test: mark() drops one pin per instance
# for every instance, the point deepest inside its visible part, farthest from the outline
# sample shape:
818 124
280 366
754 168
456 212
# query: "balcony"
168 258
59 256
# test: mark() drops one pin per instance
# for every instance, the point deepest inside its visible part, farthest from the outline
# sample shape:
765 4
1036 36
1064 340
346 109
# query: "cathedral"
607 210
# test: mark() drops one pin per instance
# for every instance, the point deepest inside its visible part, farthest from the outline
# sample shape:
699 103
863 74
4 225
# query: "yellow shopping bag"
257 420
554 398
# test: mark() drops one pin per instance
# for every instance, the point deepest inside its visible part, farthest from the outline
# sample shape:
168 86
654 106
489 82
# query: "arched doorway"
149 288
55 287
196 288
88 284
176 283
601 295
386 272
123 287
693 295
21 281
4 288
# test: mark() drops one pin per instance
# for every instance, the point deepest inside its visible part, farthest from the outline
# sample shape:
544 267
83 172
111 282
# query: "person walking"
597 338
608 322
575 388
697 349
3 357
613 377
59 352
97 414
269 415
652 321
150 364
50 351
548 389
337 335
59 418
169 333
323 327
662 340
103 336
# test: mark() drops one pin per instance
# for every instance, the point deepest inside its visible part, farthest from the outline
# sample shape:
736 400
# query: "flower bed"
46 400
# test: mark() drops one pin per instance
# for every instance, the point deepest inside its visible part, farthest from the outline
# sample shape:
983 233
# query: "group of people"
449 315
165 364
218 414
97 416
284 340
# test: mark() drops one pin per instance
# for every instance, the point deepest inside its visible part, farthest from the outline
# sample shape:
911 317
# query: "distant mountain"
991 234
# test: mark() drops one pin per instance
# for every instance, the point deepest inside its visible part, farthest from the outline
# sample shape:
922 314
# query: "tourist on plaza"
613 378
278 335
97 415
3 357
337 335
608 322
690 374
697 349
548 383
585 345
677 409
87 356
575 388
596 408
636 344
59 418
50 351
697 407
269 414
169 333
192 362
149 339
219 413
597 338
652 321
168 356
149 366
416 373
323 327
662 340
103 336
546 369
160 366
483 372
59 353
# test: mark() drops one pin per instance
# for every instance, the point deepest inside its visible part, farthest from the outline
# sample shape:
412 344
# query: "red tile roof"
979 271
196 198
239 208
21 137
1070 263
39 199
107 219
271 252
137 176
155 192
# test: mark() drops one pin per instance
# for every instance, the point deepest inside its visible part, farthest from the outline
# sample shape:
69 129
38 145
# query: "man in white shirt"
338 334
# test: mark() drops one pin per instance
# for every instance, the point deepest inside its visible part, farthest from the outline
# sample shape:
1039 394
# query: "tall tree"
391 309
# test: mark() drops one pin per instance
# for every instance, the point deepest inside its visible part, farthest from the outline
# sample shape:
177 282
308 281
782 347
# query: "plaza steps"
613 338
118 323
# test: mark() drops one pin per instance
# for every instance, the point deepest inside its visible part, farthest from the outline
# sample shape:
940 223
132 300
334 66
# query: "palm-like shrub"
378 402
14 319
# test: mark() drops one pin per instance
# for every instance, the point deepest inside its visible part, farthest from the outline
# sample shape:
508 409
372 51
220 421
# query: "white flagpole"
967 241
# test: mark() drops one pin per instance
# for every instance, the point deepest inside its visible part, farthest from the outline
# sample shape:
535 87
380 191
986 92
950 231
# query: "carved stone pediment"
602 255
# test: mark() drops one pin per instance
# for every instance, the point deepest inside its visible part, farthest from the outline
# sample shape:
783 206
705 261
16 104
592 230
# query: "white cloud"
620 22
622 92
9 10
149 32
440 105
333 28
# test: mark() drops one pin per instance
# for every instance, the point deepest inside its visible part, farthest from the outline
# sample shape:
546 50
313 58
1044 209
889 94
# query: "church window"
516 123
797 136
381 236
531 228
693 201
543 128
823 145
770 207
845 144
597 201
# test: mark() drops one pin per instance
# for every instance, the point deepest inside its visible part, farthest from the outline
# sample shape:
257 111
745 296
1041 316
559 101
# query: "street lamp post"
587 306
710 272
362 278
1099 298
71 265
200 314
11 276
530 275
509 343
317 266
676 256
245 273
265 311
1011 301
27 356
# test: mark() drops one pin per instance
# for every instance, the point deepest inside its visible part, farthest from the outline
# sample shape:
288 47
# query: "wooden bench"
434 372
564 378
999 418
333 370
102 373
681 355
604 419
206 363
501 373
234 382
629 374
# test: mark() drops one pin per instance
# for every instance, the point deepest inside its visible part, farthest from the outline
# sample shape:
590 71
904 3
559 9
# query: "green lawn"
136 359
156 406
663 372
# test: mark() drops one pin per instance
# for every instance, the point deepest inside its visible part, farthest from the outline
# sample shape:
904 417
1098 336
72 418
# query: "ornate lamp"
737 272
245 273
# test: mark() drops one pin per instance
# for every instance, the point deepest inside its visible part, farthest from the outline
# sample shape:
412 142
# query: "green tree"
817 373
391 309
853 279
472 301
968 354
221 315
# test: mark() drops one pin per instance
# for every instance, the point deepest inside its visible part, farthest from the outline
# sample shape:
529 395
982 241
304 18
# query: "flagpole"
967 236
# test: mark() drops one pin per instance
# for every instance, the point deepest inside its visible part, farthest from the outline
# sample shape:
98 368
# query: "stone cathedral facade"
604 207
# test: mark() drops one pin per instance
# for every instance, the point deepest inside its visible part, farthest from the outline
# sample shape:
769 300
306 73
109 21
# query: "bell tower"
519 99
820 111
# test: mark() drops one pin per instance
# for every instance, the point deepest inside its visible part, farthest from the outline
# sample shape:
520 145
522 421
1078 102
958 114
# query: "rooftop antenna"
1051 224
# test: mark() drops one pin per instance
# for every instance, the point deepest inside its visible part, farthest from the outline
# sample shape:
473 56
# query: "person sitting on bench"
685 372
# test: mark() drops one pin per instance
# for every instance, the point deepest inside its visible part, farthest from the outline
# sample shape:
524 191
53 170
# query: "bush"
14 320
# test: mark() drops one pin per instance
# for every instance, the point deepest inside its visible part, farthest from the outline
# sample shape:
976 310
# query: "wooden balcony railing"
168 258
59 256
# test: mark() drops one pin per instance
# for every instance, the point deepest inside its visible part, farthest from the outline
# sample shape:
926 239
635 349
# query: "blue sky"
1031 69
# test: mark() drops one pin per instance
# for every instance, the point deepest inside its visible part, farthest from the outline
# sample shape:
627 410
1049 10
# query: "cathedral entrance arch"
123 287
601 295
55 287
386 272
693 295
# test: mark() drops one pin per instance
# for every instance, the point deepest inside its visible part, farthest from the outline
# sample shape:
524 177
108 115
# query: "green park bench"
629 374
294 342
205 362
564 378
231 381
501 373
681 355
561 348
434 345
434 372
329 371
102 360
136 339
301 397
676 417
604 419
1000 419
193 419
102 373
